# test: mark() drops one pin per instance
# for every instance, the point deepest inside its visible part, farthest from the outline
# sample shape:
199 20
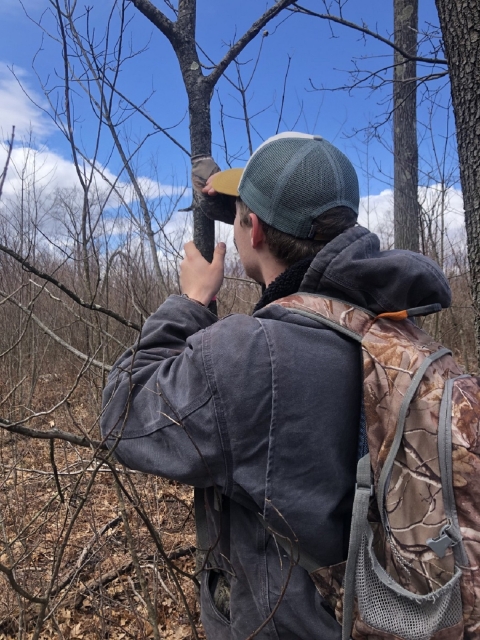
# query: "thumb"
219 254
190 249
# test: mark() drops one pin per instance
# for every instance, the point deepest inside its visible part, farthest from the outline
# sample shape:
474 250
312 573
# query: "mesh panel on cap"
288 194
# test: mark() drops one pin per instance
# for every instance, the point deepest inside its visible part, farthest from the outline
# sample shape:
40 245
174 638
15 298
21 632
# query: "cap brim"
227 181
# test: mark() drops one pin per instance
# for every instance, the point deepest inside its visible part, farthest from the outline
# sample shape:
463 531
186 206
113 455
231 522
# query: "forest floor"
66 528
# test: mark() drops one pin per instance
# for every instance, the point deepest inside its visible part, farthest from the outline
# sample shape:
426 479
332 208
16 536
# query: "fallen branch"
19 428
183 551
98 583
81 559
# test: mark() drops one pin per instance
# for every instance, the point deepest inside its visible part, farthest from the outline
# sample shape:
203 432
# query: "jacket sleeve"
158 408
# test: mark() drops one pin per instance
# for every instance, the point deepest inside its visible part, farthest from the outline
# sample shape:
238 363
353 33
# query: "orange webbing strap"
394 315
426 310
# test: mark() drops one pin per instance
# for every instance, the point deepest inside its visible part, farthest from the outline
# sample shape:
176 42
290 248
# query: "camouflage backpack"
412 568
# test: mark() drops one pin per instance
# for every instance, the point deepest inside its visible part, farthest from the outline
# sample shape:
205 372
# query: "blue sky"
318 55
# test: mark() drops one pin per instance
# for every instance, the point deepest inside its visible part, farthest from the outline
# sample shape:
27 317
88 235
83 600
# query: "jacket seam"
271 440
264 534
219 412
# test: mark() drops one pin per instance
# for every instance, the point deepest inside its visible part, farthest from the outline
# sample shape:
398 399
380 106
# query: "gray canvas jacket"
264 411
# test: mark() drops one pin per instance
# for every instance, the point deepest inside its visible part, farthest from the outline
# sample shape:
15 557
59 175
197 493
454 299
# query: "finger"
208 189
219 254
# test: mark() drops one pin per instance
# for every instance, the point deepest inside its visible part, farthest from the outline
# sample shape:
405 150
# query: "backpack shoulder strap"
346 318
396 355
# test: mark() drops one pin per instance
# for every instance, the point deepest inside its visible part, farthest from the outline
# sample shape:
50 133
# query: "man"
263 411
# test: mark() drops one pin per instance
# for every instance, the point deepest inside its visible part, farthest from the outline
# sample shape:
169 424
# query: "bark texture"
460 24
406 207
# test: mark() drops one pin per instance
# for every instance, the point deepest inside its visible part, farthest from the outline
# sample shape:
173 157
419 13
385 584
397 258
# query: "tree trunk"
201 144
182 37
405 147
460 24
199 92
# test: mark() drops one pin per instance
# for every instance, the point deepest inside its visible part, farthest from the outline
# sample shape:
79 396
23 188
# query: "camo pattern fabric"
328 581
392 353
363 631
466 487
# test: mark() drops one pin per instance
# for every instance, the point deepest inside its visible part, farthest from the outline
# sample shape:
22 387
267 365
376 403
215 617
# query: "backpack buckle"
361 486
441 543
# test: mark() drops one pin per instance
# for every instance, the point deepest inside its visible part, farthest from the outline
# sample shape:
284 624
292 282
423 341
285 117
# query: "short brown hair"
288 249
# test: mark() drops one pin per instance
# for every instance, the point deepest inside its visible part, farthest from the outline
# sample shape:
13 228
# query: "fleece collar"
285 284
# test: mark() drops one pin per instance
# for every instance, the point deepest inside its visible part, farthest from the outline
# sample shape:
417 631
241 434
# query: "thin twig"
54 336
55 471
352 25
7 162
81 559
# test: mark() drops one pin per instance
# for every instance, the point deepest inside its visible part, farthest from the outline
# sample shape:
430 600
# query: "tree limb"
157 18
247 37
53 335
87 305
13 427
352 25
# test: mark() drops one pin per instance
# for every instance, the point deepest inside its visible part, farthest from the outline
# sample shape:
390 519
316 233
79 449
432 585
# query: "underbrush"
88 548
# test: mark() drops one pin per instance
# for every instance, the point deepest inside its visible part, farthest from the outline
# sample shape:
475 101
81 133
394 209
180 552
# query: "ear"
257 235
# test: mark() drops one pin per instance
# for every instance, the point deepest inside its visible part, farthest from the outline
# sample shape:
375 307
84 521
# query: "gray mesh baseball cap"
291 179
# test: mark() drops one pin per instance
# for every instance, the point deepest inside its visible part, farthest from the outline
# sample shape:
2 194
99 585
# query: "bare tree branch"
157 18
247 37
363 29
54 336
87 305
55 434
142 112
7 162
16 587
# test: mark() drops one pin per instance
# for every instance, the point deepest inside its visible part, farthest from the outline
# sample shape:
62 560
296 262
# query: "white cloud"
376 211
40 167
52 199
48 171
151 189
436 201
16 106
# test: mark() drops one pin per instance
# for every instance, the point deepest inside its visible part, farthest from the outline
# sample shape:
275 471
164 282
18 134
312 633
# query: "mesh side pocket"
385 605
